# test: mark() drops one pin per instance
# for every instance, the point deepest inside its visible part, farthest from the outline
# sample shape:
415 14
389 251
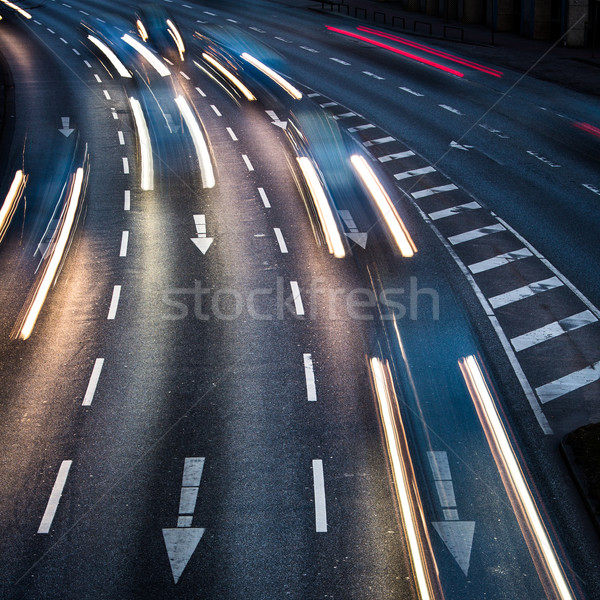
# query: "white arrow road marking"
171 123
458 537
356 236
202 242
181 543
66 130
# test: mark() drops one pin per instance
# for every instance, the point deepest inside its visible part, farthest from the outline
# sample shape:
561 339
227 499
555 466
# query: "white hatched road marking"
434 190
414 173
454 210
474 234
525 292
361 128
552 330
345 115
500 260
568 383
55 496
383 140
396 156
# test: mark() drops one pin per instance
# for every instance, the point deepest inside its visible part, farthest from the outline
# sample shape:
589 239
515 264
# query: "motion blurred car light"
540 546
10 202
330 228
64 228
278 79
147 177
238 84
142 30
153 60
112 57
176 37
384 204
206 170
22 12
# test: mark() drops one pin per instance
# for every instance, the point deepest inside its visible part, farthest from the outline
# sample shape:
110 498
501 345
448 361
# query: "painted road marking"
248 163
121 138
231 134
263 197
361 128
114 303
409 91
383 140
592 188
450 109
413 173
93 383
368 73
525 292
543 159
475 234
454 210
434 190
114 114
125 165
328 104
201 92
201 242
185 75
124 242
339 60
280 240
106 94
319 490
272 115
55 495
568 383
345 115
309 374
97 77
217 112
552 330
353 233
297 298
396 156
305 47
127 200
500 260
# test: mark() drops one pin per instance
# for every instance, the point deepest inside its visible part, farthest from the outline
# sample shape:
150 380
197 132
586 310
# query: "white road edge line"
55 495
309 374
93 383
319 487
297 298
114 303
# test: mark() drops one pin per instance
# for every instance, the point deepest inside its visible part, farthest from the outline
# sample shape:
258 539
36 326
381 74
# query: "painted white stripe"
187 500
106 95
184 521
500 260
84 13
340 61
414 173
50 30
396 156
383 140
408 90
216 110
450 109
319 487
124 243
121 138
592 188
231 134
433 190
552 330
309 374
248 163
63 40
525 292
125 165
568 383
201 92
454 210
272 114
440 467
328 104
115 115
192 471
93 383
345 115
257 29
36 22
55 495
313 95
297 298
282 39
97 77
304 47
445 491
185 75
114 303
361 127
474 234
280 240
127 202
373 75
264 198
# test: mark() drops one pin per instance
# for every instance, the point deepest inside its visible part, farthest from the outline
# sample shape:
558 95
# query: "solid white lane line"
552 330
114 303
280 240
263 197
454 210
124 242
467 236
216 110
500 260
93 383
231 134
568 383
319 488
409 91
106 94
383 140
125 165
525 292
97 77
248 163
309 374
297 298
414 173
55 495
121 138
201 92
127 202
361 127
396 156
433 190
